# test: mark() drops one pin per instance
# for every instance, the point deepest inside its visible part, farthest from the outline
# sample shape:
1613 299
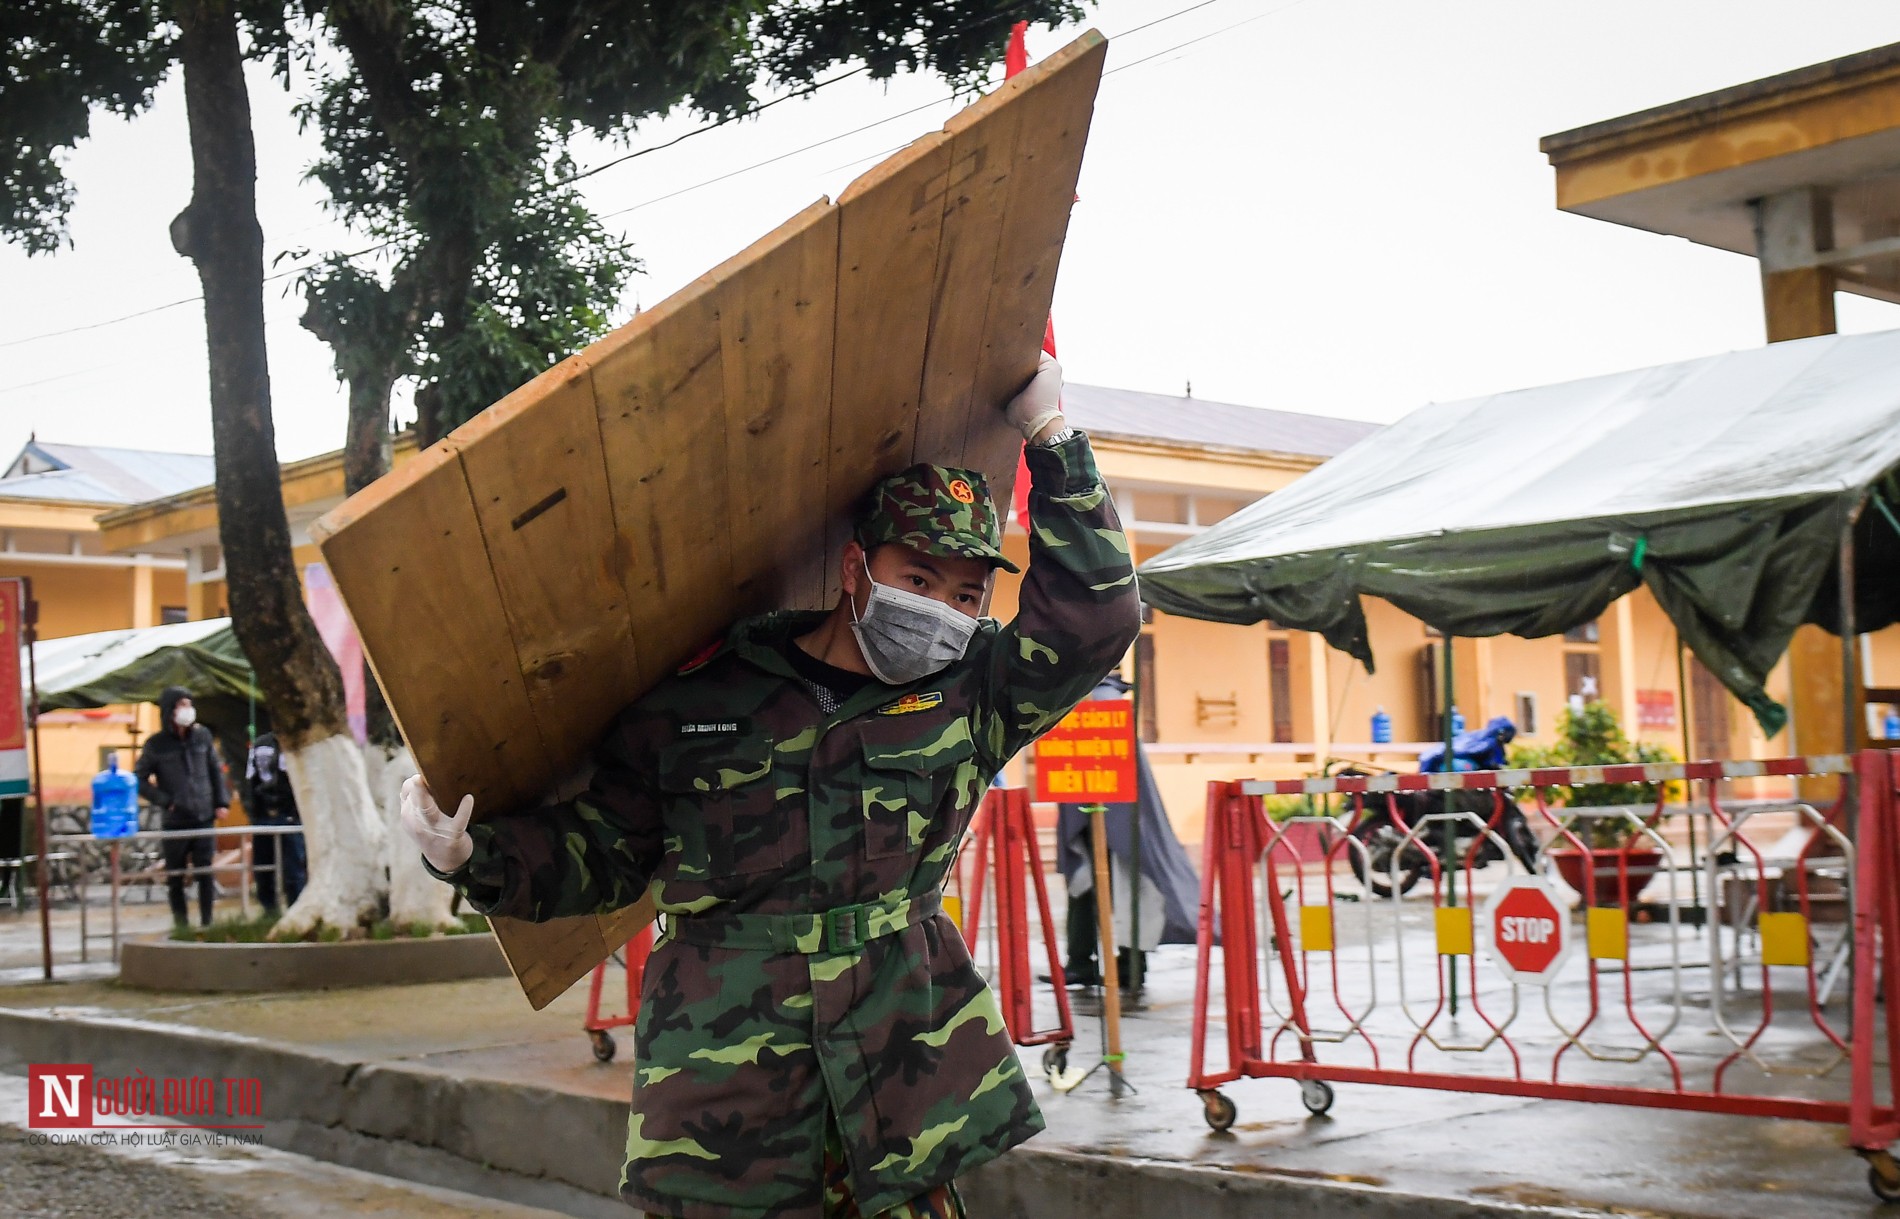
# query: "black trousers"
195 852
274 854
1083 966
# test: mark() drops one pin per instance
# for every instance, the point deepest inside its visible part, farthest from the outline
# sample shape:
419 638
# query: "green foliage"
233 929
1285 808
1593 737
64 59
446 131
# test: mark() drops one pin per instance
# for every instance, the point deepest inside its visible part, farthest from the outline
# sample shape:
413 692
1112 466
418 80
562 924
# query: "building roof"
96 474
1825 137
1132 414
1705 109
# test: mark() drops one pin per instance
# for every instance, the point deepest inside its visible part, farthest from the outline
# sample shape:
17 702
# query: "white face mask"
185 716
906 636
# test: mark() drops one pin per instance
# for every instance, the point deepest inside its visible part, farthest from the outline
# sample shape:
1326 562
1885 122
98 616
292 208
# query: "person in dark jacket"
180 775
1170 892
274 803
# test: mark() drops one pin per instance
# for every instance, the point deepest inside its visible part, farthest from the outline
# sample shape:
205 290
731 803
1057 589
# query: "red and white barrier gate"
1368 989
1007 855
634 958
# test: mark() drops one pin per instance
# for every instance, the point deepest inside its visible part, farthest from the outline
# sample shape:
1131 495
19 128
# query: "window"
169 614
1582 677
1708 712
1158 507
1525 706
1280 688
1207 511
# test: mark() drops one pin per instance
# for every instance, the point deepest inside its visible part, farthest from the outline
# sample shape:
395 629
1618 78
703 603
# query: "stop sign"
1528 927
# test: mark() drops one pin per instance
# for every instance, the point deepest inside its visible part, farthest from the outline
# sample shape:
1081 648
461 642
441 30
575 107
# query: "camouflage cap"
935 509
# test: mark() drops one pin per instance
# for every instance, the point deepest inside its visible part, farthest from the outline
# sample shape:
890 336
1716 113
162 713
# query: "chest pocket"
722 807
905 788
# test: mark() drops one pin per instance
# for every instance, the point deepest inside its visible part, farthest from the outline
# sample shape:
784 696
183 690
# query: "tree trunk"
366 458
366 448
220 233
415 897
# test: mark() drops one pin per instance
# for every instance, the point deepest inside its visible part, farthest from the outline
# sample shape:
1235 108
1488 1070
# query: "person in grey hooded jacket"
179 774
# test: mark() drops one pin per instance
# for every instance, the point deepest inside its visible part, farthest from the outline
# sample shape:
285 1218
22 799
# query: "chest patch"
913 702
701 658
699 728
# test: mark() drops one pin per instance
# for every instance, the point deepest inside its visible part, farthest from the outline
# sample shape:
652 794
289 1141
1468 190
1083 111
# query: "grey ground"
462 1086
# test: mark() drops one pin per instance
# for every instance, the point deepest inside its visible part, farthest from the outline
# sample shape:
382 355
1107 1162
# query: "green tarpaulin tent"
1725 485
135 666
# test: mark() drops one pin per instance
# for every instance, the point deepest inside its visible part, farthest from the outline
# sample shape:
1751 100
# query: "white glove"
443 840
1040 403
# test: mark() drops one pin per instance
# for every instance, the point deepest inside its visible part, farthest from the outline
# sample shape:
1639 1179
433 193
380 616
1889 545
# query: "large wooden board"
546 564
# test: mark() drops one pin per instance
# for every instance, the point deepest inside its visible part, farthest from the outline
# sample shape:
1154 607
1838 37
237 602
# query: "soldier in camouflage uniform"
813 1037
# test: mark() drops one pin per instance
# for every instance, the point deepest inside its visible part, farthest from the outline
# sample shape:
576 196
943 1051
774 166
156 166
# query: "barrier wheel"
603 1044
1220 1112
1885 1189
1055 1060
1316 1095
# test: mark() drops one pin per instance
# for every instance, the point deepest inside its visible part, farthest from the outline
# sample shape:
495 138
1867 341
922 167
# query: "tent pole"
1852 712
1451 836
1688 755
1135 964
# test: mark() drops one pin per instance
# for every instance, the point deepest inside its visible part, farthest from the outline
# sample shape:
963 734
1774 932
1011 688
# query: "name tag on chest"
715 728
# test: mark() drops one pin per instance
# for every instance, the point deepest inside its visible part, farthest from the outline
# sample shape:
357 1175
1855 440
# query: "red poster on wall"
13 772
1089 757
1656 708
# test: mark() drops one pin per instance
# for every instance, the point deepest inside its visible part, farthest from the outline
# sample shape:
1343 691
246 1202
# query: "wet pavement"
467 1072
42 1179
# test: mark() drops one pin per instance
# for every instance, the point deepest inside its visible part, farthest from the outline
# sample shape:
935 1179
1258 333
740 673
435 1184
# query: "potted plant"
1613 848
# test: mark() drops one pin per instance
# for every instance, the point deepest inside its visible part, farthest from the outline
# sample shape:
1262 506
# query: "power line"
805 91
1110 72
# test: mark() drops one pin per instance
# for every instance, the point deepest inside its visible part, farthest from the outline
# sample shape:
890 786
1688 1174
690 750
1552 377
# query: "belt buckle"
846 928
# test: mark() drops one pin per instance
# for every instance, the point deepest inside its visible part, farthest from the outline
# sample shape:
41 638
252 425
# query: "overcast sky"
1334 206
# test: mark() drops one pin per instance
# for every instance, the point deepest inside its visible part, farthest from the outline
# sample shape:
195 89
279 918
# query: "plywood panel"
558 555
1056 110
659 393
540 495
547 958
890 222
409 557
975 202
777 306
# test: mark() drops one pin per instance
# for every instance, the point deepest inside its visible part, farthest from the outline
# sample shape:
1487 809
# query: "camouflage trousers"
940 1203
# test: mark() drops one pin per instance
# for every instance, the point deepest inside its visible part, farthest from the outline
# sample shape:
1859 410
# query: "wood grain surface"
555 557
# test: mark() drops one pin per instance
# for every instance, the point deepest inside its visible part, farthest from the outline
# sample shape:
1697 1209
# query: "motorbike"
1385 838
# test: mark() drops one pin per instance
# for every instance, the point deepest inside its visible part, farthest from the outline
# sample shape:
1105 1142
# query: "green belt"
841 929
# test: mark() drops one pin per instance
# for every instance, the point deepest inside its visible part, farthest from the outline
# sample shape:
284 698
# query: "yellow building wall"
78 600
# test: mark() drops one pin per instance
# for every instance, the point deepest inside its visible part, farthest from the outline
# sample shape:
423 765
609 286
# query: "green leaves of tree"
64 59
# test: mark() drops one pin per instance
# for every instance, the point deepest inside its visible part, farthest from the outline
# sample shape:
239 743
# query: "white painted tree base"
343 832
414 895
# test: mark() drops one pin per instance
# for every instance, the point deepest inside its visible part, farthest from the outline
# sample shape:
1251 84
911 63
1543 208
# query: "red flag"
1015 59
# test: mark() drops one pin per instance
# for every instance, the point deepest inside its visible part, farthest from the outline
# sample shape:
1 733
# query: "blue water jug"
1381 727
1891 728
115 801
1457 720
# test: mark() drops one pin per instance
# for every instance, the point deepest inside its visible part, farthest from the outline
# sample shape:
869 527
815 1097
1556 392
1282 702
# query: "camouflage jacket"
750 812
